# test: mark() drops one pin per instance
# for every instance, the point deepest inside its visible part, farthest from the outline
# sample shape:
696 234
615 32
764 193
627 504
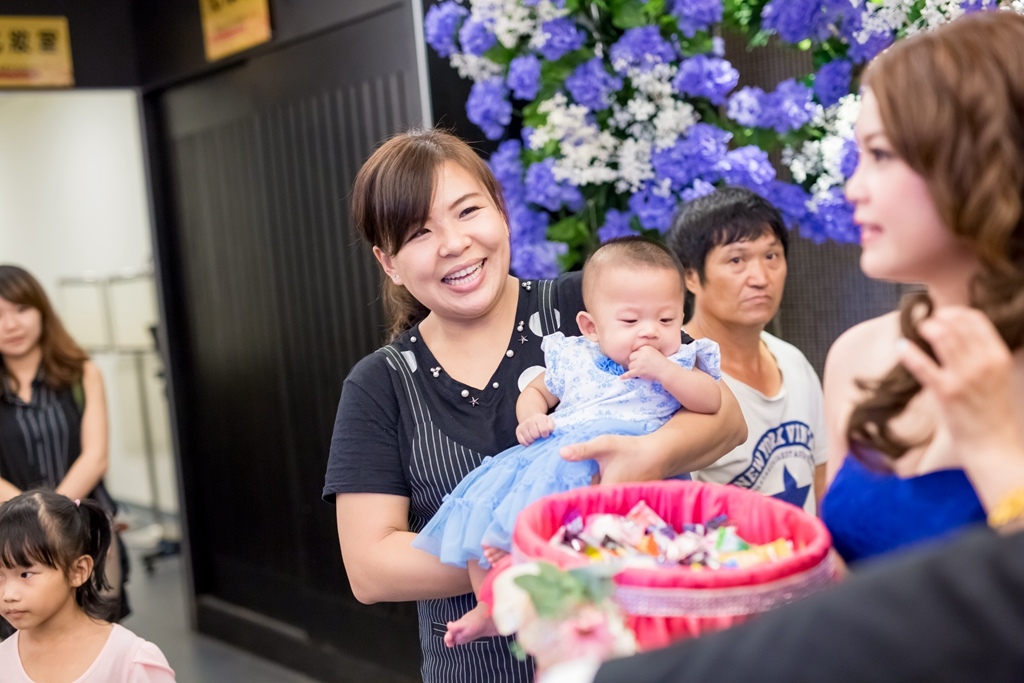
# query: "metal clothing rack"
106 332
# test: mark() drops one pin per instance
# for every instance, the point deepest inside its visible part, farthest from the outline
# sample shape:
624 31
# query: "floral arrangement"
613 112
558 615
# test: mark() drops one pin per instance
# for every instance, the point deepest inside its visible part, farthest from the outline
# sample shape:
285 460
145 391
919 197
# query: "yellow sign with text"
230 26
35 52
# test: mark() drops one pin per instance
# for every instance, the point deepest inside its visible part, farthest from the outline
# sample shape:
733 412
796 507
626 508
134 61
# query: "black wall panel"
277 299
170 38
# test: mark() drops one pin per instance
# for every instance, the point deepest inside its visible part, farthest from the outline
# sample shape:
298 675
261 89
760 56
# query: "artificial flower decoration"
560 614
626 108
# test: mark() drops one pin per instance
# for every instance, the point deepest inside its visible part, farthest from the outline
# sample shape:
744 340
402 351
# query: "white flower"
641 108
674 118
585 157
476 68
656 82
513 607
634 162
821 159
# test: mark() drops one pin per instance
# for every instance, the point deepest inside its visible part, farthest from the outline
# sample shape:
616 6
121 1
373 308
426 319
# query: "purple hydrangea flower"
696 15
699 189
969 6
641 48
537 260
832 81
616 224
745 106
831 218
703 76
440 24
543 190
697 155
850 20
525 224
791 201
866 51
788 107
654 211
592 86
850 158
748 167
524 77
563 36
488 107
475 38
796 20
507 167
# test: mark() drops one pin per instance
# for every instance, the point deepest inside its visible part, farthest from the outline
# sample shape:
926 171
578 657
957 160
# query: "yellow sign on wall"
230 26
35 52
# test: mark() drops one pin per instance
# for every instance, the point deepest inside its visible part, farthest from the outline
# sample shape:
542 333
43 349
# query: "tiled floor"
159 614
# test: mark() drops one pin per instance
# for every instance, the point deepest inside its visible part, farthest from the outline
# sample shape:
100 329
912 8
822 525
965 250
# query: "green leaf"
654 9
628 14
553 74
499 54
517 650
568 230
552 591
760 39
701 43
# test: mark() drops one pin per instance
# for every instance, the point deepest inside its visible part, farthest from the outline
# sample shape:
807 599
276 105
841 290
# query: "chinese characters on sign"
35 52
230 26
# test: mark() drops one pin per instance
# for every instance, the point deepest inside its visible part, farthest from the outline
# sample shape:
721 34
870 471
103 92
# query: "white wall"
73 203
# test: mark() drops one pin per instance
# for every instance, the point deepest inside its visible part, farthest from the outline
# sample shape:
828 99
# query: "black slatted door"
277 301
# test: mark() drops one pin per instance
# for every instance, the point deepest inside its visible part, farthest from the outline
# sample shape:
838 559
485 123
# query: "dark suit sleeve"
953 613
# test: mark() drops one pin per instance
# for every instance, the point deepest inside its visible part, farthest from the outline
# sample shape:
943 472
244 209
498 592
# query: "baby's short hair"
625 252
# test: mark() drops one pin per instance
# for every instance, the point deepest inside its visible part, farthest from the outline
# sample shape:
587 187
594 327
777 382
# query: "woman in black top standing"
53 408
420 413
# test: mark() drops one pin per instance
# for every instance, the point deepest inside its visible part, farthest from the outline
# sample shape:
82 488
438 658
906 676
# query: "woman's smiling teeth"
464 275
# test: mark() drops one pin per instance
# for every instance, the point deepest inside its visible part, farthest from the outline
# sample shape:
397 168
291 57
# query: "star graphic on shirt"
523 339
474 401
797 495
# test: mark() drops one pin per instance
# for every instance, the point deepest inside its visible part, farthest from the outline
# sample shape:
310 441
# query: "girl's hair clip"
78 501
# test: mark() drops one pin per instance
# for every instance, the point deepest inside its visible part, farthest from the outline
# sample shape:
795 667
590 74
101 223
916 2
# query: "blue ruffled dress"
593 401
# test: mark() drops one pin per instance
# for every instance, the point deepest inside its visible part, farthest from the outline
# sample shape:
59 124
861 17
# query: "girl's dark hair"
952 103
44 527
62 357
392 194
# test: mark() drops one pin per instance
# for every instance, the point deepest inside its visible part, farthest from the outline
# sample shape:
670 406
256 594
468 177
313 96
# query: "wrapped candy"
643 538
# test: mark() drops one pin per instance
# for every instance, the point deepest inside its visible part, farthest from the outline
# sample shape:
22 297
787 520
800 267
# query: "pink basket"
670 603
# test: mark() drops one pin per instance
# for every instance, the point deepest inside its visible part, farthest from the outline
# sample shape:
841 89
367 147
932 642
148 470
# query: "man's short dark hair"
727 215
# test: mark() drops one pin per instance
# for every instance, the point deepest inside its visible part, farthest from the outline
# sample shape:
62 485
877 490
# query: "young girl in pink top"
52 552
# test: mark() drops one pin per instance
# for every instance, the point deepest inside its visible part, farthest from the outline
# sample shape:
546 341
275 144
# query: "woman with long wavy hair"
53 407
939 196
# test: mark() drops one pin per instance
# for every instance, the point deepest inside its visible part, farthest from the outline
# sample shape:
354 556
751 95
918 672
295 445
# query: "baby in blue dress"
628 374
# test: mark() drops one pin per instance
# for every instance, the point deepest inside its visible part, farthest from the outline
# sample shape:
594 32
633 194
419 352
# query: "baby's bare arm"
532 412
695 389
